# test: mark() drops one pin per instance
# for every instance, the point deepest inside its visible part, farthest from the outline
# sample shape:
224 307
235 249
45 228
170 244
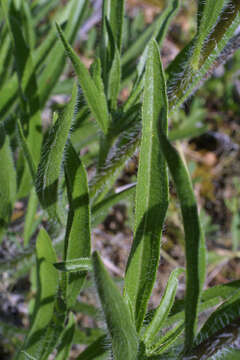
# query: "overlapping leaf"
36 339
78 236
47 178
96 99
194 240
7 181
120 326
151 192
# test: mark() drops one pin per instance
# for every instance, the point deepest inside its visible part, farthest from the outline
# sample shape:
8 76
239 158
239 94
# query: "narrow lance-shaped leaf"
30 34
112 14
45 298
167 340
56 59
163 309
78 236
194 239
221 317
52 54
183 79
5 56
125 148
30 216
210 298
96 99
120 326
151 192
97 350
158 32
209 16
7 181
221 329
51 158
67 339
28 89
114 80
26 150
116 19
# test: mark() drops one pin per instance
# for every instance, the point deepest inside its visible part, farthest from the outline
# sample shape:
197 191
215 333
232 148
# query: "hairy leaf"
163 309
122 330
78 237
96 99
7 181
194 239
47 178
151 192
36 340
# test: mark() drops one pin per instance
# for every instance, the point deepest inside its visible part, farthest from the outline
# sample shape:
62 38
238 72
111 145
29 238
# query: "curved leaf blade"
163 309
35 341
120 326
7 181
220 318
151 192
194 239
78 235
96 99
51 158
56 59
66 340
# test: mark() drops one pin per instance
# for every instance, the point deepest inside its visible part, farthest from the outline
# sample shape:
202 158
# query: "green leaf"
183 78
78 237
223 291
111 35
96 351
122 331
96 99
210 298
66 340
151 192
28 25
167 340
114 11
52 55
26 150
56 59
163 309
28 88
5 52
222 340
194 239
125 147
210 12
135 93
47 177
8 95
30 216
114 80
76 265
36 340
7 181
220 318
